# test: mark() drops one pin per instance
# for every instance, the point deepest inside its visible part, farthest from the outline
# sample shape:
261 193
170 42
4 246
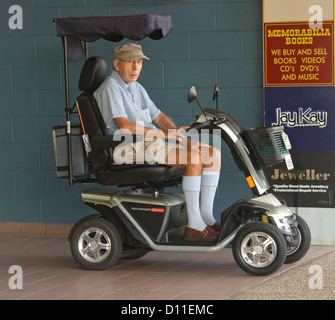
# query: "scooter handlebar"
200 125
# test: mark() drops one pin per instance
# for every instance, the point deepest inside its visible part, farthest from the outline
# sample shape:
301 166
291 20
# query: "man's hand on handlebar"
177 134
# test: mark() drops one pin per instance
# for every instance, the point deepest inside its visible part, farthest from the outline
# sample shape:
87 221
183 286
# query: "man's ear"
116 65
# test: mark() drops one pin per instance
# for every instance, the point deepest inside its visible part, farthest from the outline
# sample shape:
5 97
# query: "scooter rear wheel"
95 244
259 248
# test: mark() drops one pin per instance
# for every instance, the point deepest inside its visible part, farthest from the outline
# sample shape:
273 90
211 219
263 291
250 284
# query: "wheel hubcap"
94 245
258 249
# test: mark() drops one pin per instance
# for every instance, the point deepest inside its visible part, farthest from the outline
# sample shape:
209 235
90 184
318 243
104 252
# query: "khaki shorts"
145 151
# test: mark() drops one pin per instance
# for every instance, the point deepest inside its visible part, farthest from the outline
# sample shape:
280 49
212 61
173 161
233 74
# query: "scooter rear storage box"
80 166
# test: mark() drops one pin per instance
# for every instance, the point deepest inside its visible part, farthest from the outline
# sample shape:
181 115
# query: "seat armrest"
108 141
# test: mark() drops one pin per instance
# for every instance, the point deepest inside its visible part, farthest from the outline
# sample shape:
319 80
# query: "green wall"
211 42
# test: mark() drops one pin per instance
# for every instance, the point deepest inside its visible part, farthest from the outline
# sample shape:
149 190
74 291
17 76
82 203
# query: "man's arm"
127 126
165 123
162 121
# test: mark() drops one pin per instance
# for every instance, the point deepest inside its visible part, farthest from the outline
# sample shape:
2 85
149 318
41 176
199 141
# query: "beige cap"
129 52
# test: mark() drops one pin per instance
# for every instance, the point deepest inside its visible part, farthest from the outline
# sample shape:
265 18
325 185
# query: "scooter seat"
139 175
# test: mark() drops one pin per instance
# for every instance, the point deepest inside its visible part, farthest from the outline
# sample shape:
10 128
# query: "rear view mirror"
192 94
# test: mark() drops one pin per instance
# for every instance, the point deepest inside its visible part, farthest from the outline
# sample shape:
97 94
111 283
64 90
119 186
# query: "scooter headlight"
286 220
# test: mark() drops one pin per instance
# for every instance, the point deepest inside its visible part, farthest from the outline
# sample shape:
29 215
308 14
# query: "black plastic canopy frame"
77 32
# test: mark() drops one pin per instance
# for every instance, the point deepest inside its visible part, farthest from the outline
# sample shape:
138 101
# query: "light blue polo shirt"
116 99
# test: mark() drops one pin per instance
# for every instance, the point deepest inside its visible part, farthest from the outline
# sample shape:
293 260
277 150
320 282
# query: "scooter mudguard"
280 215
266 208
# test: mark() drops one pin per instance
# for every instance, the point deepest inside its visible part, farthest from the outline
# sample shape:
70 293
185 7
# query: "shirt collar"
121 82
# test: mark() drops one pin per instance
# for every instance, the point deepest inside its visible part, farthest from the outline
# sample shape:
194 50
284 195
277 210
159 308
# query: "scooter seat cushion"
137 174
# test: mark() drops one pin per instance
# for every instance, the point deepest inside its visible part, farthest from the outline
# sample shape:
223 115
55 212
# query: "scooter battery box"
80 165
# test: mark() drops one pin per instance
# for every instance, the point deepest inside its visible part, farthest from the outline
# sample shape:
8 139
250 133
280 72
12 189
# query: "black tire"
259 248
95 244
294 254
134 253
82 220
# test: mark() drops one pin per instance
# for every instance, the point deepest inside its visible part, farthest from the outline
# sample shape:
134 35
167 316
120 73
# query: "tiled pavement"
50 273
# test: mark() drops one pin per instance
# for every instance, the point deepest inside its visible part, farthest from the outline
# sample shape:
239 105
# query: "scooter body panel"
156 214
156 220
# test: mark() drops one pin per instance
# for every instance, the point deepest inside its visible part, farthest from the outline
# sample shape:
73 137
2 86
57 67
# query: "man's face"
129 71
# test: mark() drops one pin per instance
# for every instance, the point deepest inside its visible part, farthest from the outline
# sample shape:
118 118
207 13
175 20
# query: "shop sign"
296 54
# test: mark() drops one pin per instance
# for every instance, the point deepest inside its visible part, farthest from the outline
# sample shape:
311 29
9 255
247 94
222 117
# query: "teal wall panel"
205 45
239 15
6 76
38 184
192 17
30 76
7 187
17 156
32 129
21 103
20 209
6 130
11 49
186 73
212 42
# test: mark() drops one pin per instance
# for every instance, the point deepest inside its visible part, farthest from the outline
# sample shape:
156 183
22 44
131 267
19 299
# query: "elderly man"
126 106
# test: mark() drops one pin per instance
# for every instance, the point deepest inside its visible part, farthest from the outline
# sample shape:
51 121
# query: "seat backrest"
93 73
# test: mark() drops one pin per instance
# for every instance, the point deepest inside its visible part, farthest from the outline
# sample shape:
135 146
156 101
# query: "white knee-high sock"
209 183
191 189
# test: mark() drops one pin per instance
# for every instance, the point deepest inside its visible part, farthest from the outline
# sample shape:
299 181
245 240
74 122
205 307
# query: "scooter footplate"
188 243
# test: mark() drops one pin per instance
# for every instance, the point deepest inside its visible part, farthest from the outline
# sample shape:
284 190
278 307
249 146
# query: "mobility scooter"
132 221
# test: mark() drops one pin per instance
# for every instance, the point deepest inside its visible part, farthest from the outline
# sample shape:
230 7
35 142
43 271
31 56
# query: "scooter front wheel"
304 241
259 248
95 244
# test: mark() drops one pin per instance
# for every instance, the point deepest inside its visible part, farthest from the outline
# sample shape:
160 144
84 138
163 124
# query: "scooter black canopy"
89 29
135 27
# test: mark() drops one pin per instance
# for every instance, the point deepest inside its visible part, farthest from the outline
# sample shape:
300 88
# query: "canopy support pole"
68 111
86 49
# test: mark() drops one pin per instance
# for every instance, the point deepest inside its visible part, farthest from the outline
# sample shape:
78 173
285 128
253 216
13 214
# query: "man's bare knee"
194 157
211 157
216 154
193 169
